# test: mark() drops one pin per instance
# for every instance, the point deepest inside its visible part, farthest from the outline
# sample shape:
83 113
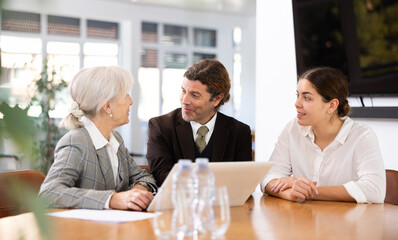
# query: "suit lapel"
185 138
220 137
106 168
122 167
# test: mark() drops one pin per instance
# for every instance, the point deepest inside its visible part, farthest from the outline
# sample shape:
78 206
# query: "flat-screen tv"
359 37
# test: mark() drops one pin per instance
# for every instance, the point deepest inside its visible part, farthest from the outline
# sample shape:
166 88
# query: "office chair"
392 187
144 167
12 184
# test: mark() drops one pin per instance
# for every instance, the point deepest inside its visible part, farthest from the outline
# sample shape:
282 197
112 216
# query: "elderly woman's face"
121 109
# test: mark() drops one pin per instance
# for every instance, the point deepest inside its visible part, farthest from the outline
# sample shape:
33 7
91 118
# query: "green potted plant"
47 86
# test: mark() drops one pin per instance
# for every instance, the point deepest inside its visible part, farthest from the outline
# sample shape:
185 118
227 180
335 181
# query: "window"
105 54
63 58
149 32
63 26
21 60
175 36
163 63
204 37
20 21
149 82
22 56
237 70
200 56
100 29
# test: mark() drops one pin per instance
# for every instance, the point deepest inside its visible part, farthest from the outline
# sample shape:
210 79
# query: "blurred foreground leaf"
27 200
17 126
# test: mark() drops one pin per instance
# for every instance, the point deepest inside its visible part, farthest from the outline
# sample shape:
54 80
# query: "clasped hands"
295 189
138 198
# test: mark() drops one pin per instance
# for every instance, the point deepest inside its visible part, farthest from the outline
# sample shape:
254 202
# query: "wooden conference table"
261 217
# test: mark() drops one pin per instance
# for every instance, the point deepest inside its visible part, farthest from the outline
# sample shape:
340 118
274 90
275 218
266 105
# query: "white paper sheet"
113 216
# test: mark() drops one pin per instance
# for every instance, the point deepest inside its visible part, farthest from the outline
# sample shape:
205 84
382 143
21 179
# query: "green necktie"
200 139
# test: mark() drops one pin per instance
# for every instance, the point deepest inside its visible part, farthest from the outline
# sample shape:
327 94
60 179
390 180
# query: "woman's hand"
282 184
134 199
303 189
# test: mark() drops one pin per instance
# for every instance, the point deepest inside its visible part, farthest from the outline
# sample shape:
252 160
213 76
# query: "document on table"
113 216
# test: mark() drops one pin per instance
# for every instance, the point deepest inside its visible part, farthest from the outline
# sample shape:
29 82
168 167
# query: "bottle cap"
184 163
202 161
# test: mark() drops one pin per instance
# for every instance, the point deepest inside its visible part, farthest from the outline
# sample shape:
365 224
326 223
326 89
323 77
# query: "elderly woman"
92 167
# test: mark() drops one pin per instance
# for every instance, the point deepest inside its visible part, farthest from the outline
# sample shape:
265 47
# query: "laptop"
240 178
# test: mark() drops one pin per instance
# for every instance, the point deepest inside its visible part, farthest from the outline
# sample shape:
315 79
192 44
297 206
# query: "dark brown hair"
214 75
330 83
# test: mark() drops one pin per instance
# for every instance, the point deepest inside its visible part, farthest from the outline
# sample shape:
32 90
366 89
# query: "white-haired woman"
92 167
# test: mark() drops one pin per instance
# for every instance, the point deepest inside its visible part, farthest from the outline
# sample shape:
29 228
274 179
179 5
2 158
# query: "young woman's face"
311 109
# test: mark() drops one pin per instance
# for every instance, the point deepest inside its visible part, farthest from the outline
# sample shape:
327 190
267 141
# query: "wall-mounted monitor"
359 37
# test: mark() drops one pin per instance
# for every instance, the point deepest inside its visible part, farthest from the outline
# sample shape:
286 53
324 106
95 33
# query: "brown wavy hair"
214 75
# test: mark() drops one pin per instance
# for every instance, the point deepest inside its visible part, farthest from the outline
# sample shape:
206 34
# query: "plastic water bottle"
184 199
205 195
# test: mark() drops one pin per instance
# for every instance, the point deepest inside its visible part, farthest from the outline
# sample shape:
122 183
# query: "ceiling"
241 7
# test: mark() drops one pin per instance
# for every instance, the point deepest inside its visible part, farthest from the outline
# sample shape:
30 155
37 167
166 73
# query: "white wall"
387 133
275 73
276 83
131 15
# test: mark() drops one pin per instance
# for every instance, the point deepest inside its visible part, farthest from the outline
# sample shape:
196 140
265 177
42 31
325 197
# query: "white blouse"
353 159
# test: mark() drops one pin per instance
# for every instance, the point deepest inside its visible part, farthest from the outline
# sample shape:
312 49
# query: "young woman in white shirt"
322 154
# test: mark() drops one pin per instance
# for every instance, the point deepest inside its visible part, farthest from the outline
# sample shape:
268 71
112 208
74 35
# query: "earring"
110 115
328 113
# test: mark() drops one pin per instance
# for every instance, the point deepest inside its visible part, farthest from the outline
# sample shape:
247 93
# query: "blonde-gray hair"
92 87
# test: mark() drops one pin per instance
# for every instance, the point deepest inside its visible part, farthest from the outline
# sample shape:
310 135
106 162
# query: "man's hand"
135 199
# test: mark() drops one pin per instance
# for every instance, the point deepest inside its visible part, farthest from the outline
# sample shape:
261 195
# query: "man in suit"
197 129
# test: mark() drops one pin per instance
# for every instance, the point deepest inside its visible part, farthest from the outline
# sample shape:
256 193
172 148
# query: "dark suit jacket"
171 139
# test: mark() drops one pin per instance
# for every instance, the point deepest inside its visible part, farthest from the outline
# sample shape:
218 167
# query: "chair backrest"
145 167
392 187
11 185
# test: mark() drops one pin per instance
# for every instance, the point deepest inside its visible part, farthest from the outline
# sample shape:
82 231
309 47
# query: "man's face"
195 102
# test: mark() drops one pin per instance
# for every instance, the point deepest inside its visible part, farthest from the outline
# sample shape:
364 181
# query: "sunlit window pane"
237 36
101 49
148 79
63 48
100 54
92 61
20 44
63 58
21 62
171 88
237 87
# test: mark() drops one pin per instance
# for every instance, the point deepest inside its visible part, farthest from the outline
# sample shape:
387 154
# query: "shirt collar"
96 136
210 125
341 136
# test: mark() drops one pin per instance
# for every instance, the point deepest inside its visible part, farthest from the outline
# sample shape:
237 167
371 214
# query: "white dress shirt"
111 147
210 125
353 159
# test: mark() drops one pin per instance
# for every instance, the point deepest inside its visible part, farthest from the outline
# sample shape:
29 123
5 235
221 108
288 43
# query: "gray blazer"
82 177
